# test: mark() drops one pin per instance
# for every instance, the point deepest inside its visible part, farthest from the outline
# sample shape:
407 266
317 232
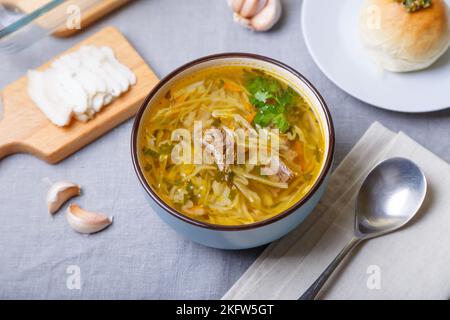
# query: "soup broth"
229 100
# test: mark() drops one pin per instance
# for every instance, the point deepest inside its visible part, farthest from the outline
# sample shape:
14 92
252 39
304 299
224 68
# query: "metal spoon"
389 198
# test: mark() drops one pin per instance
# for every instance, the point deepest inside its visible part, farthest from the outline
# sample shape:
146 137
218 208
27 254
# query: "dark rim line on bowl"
179 215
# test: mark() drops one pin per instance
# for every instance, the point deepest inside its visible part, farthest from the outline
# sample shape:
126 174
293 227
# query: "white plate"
330 29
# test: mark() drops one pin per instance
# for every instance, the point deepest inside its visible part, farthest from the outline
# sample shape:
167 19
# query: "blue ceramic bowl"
259 233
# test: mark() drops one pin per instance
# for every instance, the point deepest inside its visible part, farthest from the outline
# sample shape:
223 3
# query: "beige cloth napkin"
413 263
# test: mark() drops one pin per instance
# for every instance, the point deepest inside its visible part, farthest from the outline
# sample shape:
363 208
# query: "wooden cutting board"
24 128
89 12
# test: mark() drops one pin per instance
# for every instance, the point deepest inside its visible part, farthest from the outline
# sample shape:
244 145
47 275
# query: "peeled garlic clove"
59 193
236 5
268 16
87 222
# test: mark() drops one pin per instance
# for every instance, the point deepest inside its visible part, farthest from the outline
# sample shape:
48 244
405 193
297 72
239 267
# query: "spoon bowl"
389 198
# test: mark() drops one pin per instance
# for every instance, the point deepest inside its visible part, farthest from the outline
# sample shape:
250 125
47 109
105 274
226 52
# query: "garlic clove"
87 222
261 5
59 193
236 5
249 8
246 23
267 17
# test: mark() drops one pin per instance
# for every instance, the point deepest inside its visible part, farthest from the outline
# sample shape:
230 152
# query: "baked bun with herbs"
405 35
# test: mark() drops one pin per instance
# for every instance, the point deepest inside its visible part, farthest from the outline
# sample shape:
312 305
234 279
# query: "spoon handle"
315 288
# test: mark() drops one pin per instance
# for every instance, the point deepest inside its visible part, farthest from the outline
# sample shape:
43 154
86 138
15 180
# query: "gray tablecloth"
139 256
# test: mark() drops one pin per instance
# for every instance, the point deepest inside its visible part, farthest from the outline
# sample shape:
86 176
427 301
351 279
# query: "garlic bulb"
59 193
257 15
84 221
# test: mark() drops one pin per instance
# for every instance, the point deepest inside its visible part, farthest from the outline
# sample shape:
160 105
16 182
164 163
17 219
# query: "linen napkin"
413 263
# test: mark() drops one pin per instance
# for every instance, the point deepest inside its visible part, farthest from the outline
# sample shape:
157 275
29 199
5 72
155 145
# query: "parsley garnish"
150 152
163 149
272 100
166 148
415 5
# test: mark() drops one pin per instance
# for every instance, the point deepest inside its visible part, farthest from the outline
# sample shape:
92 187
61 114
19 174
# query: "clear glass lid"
25 22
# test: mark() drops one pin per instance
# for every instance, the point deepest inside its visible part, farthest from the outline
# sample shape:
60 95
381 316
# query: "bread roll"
401 41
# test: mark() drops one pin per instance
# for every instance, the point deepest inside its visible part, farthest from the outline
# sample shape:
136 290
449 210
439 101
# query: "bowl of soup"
233 150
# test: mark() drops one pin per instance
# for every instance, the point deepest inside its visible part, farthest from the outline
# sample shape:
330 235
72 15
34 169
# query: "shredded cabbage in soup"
228 99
